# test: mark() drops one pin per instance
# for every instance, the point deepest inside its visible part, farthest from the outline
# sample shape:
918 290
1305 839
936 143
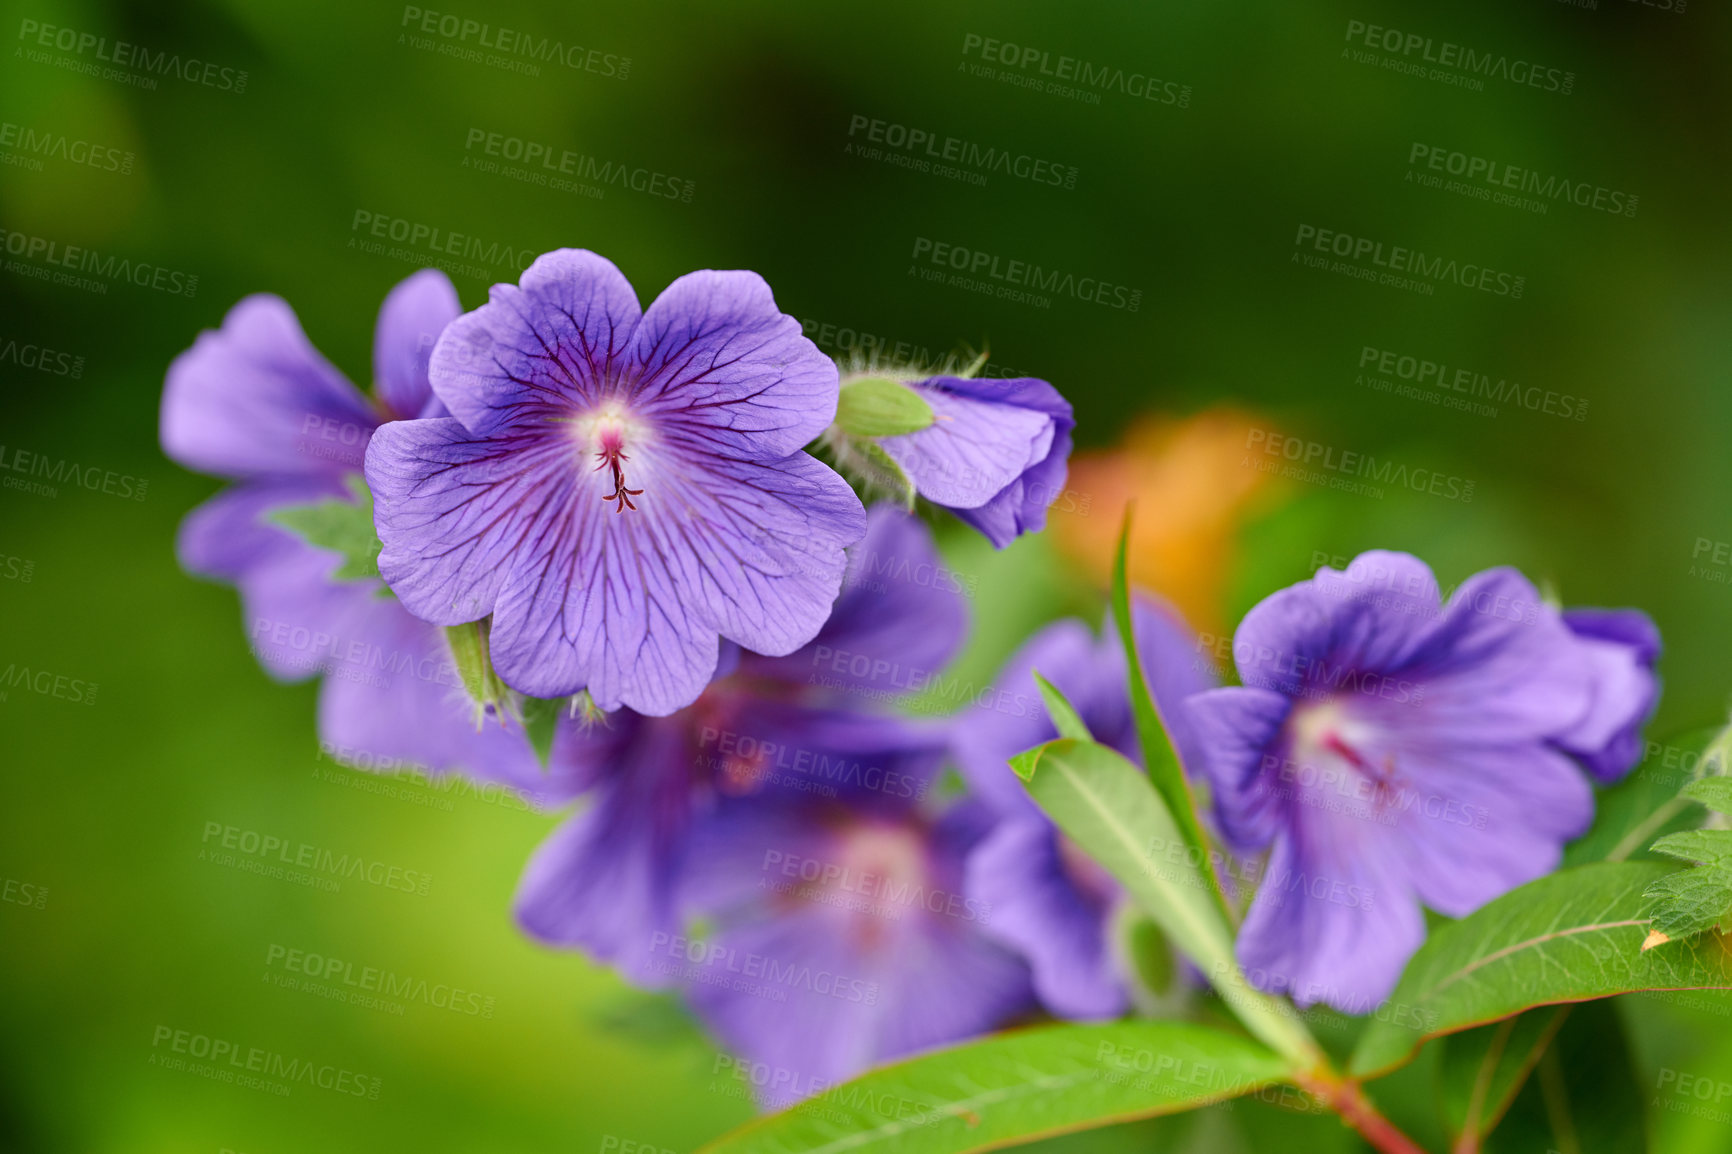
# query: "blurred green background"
113 928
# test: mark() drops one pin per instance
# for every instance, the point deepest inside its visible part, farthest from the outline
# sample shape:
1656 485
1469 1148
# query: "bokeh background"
113 927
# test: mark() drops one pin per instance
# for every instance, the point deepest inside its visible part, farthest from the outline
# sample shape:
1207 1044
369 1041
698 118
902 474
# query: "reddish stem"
1347 1099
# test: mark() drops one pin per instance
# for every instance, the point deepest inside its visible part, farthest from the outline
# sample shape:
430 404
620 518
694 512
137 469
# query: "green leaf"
1584 1096
1713 792
1700 898
1064 716
1693 900
1481 1070
881 407
1016 1087
1159 756
1631 814
1023 763
1105 805
344 527
1567 937
540 720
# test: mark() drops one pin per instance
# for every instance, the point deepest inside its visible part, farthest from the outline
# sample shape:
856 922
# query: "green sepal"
344 527
468 644
881 407
540 721
870 469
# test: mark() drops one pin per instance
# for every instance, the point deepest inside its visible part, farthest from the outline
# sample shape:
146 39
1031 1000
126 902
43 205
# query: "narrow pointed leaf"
1160 758
1016 1087
1064 715
1567 937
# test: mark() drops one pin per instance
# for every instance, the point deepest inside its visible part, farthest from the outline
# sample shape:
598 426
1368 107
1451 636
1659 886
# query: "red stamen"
1383 780
610 456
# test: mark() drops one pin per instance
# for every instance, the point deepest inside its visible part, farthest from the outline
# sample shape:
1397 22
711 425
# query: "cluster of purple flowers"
621 503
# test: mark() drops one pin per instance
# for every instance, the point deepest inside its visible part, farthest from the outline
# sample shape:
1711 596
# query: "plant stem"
1347 1099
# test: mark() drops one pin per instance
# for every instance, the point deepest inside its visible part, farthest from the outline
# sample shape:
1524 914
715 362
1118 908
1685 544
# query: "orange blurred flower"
1192 490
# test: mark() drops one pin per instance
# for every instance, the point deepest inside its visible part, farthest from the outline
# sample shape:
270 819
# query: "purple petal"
972 450
1067 654
1369 617
715 355
818 985
763 547
1327 925
392 697
255 399
984 458
793 753
558 340
1498 664
1484 821
415 312
448 512
1629 627
628 605
1092 675
607 880
228 536
1239 728
840 1013
1021 506
1037 909
900 619
295 616
1622 645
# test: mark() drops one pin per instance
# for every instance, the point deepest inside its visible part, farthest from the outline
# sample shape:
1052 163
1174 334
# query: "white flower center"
1332 751
603 436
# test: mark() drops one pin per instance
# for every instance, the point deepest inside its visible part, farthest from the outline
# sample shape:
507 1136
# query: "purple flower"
618 489
1623 644
996 454
1389 750
256 402
1050 901
807 725
841 936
